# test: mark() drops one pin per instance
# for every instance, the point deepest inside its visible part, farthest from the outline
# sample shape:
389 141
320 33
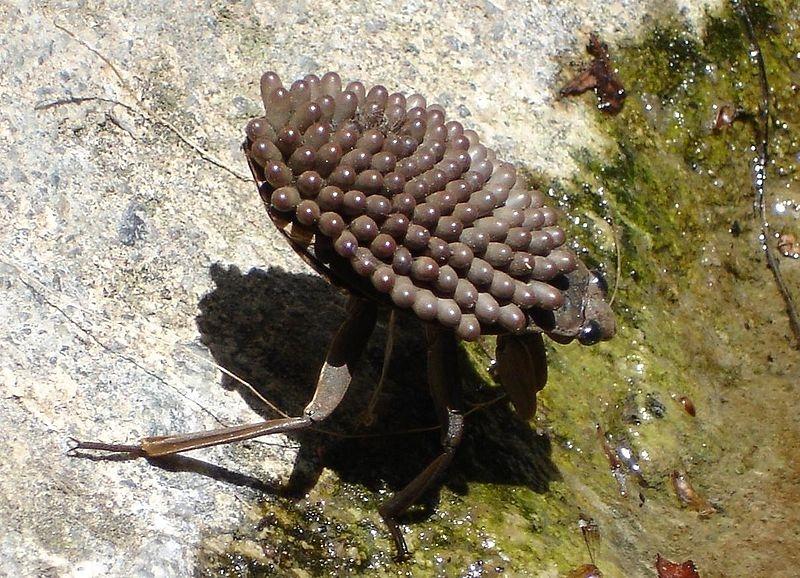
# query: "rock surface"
112 221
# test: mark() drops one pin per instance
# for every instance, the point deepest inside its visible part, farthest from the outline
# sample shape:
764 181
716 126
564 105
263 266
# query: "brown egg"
412 201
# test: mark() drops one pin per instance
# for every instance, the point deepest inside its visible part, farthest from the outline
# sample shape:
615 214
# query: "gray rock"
110 224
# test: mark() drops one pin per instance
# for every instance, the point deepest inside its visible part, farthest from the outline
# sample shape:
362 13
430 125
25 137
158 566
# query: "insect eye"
590 333
600 279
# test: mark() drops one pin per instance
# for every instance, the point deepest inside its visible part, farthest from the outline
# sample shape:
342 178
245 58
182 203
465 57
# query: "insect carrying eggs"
413 203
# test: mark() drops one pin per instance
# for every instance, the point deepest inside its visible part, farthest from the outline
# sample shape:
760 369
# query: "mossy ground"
699 316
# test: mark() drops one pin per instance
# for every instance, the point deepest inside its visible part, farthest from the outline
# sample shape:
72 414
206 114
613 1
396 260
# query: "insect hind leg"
334 379
444 386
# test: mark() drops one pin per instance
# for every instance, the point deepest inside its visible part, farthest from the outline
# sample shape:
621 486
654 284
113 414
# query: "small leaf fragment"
585 571
667 569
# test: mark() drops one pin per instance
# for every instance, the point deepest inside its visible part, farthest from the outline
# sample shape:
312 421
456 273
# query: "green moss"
664 198
673 187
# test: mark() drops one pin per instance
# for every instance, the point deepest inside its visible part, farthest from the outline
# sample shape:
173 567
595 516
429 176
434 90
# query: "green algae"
698 317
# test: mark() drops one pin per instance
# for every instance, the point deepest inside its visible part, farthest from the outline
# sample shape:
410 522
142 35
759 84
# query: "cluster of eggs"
415 202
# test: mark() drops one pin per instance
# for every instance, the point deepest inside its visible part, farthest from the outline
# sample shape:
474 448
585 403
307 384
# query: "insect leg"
334 379
368 417
522 370
443 383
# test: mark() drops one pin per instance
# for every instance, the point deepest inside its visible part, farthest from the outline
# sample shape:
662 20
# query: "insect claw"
103 447
367 419
72 445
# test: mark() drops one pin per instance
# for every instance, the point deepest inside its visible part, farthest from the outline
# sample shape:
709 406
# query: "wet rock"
102 337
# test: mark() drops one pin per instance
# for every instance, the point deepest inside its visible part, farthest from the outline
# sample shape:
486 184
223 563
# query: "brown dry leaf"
599 76
667 569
